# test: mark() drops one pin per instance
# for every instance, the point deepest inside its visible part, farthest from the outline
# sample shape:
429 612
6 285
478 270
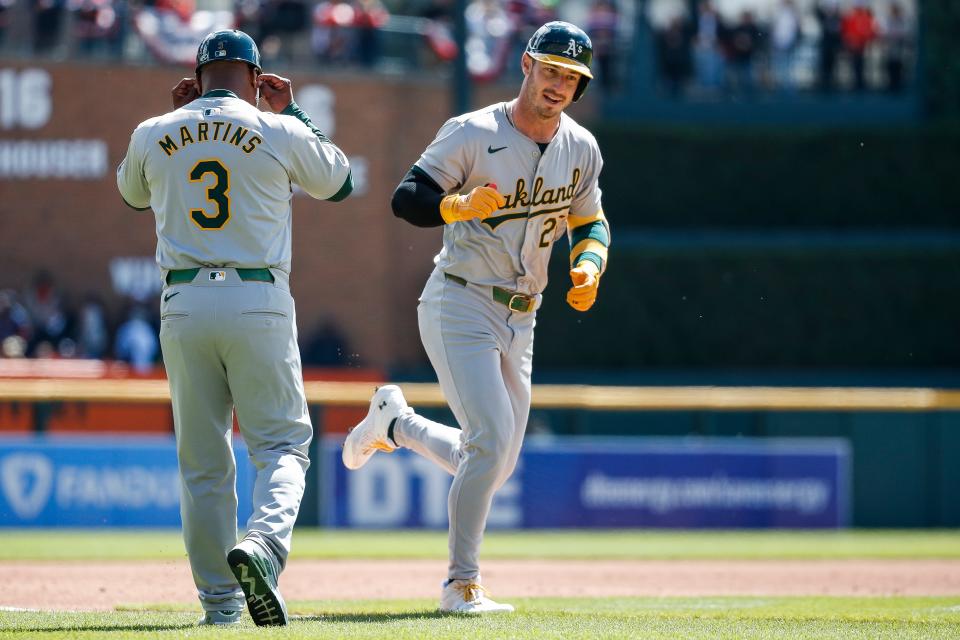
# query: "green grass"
313 543
537 618
736 618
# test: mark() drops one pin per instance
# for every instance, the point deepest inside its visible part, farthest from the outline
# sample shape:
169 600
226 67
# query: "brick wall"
352 261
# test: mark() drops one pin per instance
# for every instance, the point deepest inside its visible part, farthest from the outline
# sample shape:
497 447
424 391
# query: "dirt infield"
105 585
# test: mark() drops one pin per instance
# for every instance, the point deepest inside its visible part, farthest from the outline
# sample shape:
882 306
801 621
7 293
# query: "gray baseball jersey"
218 175
481 348
511 249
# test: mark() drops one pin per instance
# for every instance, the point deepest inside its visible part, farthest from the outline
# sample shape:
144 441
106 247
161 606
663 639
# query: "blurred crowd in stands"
813 45
703 48
44 321
384 34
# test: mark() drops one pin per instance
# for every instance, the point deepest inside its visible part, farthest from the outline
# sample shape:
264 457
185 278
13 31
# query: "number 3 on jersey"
216 193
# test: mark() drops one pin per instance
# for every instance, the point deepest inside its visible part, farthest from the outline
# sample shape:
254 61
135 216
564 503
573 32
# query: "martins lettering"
202 132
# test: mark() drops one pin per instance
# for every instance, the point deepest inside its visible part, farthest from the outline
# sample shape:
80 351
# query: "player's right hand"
480 203
277 91
186 91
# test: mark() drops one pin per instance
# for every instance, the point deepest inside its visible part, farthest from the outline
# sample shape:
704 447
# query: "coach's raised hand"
277 91
186 91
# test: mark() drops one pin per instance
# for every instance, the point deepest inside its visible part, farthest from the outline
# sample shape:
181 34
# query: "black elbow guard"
400 202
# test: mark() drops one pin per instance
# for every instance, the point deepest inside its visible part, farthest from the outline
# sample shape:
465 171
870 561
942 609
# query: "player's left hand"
586 278
186 91
277 91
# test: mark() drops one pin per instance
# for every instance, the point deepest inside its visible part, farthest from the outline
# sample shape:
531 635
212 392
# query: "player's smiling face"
548 88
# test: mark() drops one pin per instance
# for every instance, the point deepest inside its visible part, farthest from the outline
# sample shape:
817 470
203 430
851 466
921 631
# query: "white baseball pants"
232 344
482 353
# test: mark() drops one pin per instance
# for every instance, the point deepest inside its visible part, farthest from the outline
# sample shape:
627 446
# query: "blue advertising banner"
574 482
98 482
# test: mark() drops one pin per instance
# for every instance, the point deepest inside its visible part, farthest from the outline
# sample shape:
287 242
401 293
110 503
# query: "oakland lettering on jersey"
520 197
204 132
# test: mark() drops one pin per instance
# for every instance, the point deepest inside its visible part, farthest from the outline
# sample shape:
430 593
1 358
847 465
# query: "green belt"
183 276
514 301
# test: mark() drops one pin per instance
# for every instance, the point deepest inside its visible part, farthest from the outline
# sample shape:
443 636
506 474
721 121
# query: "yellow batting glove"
586 278
481 203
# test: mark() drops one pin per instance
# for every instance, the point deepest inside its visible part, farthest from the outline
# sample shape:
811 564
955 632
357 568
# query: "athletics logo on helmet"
230 44
564 45
573 49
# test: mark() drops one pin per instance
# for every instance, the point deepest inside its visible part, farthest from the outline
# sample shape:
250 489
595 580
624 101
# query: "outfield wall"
559 483
99 482
904 442
611 483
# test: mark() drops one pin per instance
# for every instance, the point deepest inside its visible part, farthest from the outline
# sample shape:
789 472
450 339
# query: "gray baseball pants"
482 353
229 344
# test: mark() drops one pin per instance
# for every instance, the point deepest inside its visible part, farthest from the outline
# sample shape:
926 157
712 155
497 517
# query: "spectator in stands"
707 55
528 15
439 29
282 24
327 347
97 26
246 16
48 314
897 36
13 347
170 29
830 43
349 30
488 38
136 340
44 350
437 10
67 348
47 21
743 42
5 6
784 39
332 37
369 17
859 30
183 9
525 17
14 318
674 52
93 336
602 27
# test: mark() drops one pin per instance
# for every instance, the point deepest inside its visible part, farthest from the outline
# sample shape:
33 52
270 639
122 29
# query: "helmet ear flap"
581 87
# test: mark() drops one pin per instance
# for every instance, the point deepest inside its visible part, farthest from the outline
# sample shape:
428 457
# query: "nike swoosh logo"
170 295
490 149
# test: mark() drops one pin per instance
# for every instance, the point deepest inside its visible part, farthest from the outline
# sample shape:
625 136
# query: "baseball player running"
217 173
505 182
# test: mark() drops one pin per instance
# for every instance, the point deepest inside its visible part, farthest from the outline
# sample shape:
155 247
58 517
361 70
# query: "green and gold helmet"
229 44
564 45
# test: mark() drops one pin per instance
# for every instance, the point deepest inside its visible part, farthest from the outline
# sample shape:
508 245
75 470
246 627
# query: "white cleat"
220 618
469 596
370 435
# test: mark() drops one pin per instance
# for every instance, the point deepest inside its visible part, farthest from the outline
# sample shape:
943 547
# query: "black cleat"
258 579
